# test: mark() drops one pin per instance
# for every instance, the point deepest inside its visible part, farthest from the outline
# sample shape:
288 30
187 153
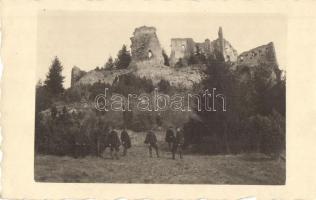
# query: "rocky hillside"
79 77
180 77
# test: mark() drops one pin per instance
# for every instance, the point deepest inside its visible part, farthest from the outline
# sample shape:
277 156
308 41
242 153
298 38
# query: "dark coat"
113 139
126 140
169 136
179 137
150 138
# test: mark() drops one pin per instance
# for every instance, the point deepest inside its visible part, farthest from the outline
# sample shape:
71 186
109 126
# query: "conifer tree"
123 58
54 79
109 64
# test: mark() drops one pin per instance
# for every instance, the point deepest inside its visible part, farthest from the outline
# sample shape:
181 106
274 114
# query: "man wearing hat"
126 141
114 143
178 143
151 140
170 137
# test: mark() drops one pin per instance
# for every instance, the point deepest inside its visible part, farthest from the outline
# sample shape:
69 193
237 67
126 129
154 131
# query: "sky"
86 39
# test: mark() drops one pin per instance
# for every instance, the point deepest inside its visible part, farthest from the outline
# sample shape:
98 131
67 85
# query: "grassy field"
138 167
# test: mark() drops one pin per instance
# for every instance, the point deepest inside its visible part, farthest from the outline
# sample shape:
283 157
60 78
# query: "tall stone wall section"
76 75
185 47
145 46
181 48
248 62
264 54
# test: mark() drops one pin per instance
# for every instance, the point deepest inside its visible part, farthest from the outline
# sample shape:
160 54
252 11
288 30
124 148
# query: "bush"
180 63
163 86
142 122
254 120
131 84
73 135
266 134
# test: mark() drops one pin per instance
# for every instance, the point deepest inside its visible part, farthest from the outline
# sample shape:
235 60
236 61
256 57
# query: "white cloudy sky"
87 39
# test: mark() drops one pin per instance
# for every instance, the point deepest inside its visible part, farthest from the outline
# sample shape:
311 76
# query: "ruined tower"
145 46
76 74
221 40
181 48
222 46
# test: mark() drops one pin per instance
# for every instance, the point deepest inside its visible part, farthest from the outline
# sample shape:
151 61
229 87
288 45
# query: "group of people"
114 142
175 142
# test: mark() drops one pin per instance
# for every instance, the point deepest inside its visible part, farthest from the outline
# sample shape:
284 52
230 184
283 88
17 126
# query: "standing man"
169 137
178 143
151 140
126 141
114 143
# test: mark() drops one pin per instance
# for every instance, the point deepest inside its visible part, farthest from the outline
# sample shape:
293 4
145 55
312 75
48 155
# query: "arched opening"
245 73
150 54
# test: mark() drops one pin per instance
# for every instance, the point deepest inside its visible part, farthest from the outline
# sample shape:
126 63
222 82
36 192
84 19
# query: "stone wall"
184 77
145 45
225 48
249 61
204 47
76 74
185 47
181 48
263 54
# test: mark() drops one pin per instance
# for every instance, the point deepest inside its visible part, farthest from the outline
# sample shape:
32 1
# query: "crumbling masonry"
146 47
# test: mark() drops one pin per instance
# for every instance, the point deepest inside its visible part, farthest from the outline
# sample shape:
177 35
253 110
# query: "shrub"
163 86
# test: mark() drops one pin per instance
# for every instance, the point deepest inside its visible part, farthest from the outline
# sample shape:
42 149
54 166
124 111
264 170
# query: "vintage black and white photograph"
160 98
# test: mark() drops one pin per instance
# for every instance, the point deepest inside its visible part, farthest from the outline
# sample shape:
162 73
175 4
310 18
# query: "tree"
166 58
214 130
39 84
123 58
127 118
198 57
42 99
163 85
54 79
53 112
109 64
180 63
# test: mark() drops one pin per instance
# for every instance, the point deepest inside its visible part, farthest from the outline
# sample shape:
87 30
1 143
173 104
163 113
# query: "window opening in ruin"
150 54
183 47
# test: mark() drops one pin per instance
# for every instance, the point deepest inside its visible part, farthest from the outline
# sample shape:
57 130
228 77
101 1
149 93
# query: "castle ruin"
183 48
148 61
262 54
145 46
